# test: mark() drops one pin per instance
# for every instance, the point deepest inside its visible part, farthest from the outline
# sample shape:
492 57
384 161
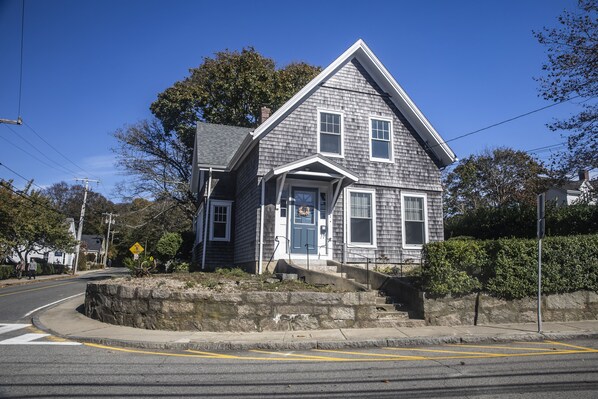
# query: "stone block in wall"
303 322
573 300
160 294
329 324
177 307
219 311
592 297
365 312
154 306
300 309
367 297
125 292
242 324
315 298
144 293
227 297
255 310
266 297
342 313
111 289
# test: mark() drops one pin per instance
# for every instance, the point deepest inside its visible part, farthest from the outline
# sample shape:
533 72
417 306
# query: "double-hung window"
381 139
220 214
330 132
414 220
362 217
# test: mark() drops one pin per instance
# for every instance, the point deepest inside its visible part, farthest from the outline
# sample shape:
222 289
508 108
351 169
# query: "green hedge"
6 271
508 268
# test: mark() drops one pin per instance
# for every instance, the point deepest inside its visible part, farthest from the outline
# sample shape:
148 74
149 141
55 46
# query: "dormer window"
330 132
381 139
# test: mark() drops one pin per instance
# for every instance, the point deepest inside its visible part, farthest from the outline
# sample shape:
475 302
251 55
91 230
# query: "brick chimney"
264 114
584 175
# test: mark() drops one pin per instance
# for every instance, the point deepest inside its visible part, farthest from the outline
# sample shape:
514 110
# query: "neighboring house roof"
94 242
384 79
216 144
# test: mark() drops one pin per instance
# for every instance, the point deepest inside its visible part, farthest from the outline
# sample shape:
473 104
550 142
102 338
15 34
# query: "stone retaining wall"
484 309
212 311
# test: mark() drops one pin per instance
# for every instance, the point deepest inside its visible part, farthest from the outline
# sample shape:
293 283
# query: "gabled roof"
384 79
216 144
315 164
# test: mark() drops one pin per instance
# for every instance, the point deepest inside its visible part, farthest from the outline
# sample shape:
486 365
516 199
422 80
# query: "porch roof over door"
315 167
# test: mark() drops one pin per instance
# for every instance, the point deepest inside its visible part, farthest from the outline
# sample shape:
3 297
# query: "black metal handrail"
367 266
276 239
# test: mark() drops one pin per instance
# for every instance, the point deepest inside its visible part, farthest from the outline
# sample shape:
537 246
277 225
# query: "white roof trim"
381 75
301 163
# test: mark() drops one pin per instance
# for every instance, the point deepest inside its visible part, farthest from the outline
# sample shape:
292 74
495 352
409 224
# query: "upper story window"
415 230
330 132
220 214
381 139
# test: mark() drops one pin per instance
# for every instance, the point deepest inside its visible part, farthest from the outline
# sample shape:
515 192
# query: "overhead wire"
503 122
21 176
9 186
59 153
64 168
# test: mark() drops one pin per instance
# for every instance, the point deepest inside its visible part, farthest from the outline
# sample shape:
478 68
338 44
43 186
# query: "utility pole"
109 220
80 229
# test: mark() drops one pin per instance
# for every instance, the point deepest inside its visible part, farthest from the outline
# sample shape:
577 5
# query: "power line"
64 169
503 122
55 149
30 154
547 147
21 176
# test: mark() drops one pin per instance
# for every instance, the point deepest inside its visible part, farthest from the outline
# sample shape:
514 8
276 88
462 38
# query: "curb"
315 344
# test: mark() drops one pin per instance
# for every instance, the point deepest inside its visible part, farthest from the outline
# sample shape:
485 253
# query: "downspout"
207 220
261 255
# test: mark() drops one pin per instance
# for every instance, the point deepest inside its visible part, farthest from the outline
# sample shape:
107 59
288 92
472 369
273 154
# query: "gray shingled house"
347 168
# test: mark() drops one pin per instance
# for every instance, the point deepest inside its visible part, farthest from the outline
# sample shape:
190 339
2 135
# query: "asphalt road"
36 365
95 372
17 301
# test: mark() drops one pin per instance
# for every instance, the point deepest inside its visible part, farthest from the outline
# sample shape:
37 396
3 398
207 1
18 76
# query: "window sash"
220 221
361 223
330 133
380 136
414 223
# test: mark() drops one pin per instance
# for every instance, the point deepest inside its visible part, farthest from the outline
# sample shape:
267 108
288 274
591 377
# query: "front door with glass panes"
304 220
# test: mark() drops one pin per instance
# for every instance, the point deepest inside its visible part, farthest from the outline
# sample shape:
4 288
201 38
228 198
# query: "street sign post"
541 232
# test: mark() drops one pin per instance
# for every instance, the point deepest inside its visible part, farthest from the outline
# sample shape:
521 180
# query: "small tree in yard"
168 246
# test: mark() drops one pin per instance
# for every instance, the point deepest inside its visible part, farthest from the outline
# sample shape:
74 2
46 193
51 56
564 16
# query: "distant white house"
51 255
573 191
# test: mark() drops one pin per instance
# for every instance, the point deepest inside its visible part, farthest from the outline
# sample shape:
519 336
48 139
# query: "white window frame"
347 195
228 206
390 139
426 219
342 132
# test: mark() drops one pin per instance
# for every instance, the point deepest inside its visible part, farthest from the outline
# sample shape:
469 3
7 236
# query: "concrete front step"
313 263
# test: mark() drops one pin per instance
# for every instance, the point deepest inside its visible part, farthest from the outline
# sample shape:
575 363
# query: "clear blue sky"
90 67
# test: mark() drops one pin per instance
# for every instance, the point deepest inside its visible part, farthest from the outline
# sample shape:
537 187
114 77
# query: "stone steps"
394 314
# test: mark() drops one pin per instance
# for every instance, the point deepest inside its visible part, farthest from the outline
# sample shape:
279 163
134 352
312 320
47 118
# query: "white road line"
4 328
26 339
50 304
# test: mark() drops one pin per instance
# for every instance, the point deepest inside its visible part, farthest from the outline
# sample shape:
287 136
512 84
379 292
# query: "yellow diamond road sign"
136 248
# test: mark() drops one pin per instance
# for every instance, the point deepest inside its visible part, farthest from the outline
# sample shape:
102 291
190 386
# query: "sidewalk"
67 322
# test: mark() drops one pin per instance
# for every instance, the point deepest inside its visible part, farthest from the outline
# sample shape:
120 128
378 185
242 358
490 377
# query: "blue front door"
304 221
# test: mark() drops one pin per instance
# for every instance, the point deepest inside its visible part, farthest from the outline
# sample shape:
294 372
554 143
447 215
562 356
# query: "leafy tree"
29 223
68 200
168 245
228 89
501 177
572 71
